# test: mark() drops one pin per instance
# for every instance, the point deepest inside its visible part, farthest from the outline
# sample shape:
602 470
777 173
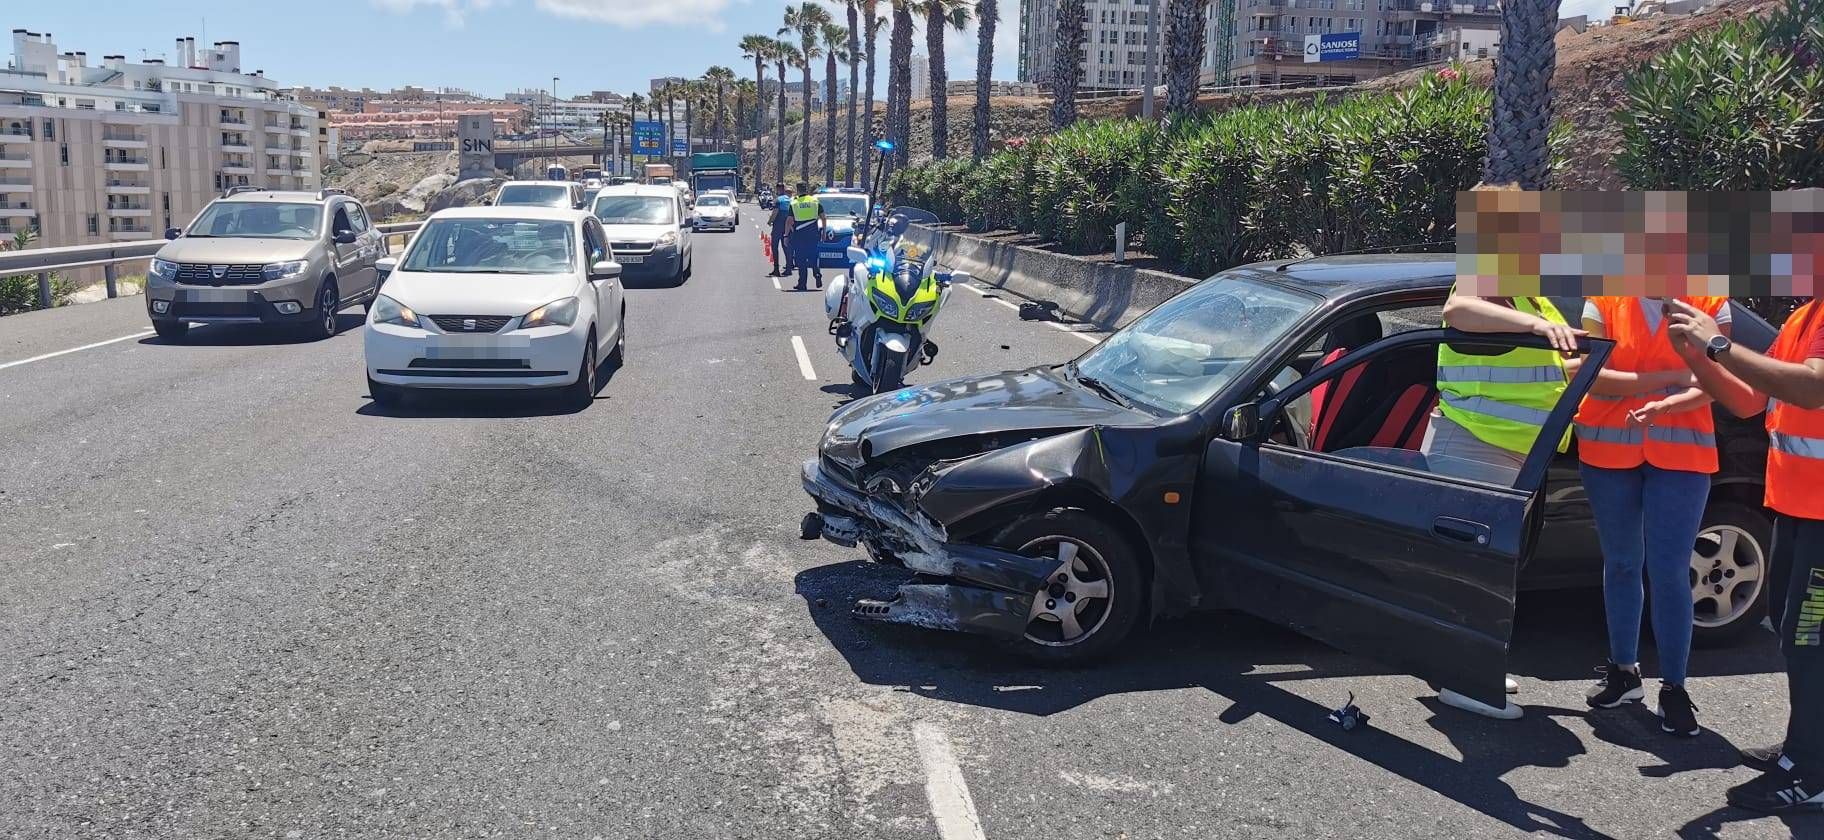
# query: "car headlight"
557 313
886 305
919 311
389 311
164 269
282 270
667 240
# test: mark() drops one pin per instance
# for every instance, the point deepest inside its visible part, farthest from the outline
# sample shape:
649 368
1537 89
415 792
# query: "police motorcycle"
881 312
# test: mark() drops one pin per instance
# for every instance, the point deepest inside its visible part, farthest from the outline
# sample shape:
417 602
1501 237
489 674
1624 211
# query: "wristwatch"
1718 344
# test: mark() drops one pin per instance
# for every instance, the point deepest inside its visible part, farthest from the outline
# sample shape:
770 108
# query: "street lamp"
1151 74
551 117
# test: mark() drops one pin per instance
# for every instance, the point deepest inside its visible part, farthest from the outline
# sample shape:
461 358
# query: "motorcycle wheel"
889 373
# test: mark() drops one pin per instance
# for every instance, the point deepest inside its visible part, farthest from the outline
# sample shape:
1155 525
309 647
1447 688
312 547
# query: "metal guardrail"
108 255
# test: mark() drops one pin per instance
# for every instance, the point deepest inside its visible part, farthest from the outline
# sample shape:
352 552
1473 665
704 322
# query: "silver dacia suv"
266 257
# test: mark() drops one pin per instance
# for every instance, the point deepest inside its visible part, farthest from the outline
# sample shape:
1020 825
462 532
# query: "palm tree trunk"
1522 114
899 84
848 166
804 136
935 22
687 146
1067 63
671 123
782 159
721 102
829 120
759 120
872 26
1184 54
987 12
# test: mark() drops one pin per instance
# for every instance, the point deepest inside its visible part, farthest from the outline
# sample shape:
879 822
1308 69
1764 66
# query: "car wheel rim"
1728 571
328 305
1074 603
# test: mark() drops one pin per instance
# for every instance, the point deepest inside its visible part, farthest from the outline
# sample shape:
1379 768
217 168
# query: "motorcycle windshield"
914 215
906 281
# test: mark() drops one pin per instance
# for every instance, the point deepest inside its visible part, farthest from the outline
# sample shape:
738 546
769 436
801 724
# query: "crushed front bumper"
980 589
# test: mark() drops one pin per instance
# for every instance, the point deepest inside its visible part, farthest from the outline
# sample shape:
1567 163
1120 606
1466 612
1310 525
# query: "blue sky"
489 46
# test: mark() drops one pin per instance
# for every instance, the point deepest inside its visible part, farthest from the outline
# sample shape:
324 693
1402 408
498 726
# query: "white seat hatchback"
498 298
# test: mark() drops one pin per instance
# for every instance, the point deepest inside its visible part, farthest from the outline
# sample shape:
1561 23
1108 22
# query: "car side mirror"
173 233
345 237
385 265
856 255
1242 423
604 270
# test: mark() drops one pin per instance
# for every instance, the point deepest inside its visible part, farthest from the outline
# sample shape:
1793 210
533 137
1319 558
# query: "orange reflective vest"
1795 436
1685 440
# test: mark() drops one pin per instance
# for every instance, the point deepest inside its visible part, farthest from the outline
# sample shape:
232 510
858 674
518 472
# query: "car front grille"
459 323
631 247
203 274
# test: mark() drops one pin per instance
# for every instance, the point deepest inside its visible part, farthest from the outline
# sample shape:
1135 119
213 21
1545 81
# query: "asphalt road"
241 601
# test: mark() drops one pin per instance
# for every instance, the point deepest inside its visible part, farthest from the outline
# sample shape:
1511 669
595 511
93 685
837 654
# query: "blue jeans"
1647 518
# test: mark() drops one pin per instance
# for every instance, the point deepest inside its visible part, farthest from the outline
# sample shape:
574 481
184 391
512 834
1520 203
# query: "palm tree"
745 123
854 51
899 81
1067 63
1522 113
871 27
835 49
1183 54
807 20
691 93
758 48
720 78
635 102
940 14
987 13
785 55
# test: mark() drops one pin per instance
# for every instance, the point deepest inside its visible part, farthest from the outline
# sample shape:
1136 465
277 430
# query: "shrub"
19 292
1091 176
1740 107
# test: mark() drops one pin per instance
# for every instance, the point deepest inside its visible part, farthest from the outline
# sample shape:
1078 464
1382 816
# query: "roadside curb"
1103 294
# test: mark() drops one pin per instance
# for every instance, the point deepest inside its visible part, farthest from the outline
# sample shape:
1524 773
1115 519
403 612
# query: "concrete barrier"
1104 294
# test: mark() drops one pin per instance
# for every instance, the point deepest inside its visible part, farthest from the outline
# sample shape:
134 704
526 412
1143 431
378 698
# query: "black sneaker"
1778 792
1677 714
1768 758
1616 687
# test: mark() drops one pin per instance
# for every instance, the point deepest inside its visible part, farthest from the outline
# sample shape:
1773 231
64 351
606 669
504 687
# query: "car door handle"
1460 530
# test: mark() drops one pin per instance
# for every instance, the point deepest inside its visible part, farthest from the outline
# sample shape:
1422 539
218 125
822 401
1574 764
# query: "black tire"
385 396
1751 532
617 358
889 373
690 266
328 302
1102 553
171 330
580 394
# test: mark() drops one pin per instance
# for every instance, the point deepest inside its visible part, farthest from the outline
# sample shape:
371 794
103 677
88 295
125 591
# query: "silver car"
266 257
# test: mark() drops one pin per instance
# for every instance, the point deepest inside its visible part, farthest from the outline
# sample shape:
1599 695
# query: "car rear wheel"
1093 597
1731 571
171 330
618 356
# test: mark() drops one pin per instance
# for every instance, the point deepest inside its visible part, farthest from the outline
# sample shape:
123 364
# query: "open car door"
1371 547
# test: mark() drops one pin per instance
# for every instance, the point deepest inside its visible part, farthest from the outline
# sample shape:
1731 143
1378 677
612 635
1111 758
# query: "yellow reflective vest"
1504 399
805 209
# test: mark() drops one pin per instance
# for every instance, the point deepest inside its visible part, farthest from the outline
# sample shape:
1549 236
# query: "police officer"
807 228
1788 382
782 229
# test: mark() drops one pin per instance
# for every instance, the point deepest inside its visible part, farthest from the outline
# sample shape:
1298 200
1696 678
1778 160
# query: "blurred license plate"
630 259
478 347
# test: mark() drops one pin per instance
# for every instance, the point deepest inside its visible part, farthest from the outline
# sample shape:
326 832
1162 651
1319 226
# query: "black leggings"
1798 545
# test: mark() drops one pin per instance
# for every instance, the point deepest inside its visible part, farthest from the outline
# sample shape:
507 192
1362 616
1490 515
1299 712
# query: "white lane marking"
804 359
776 286
951 805
19 362
972 288
1066 328
1092 339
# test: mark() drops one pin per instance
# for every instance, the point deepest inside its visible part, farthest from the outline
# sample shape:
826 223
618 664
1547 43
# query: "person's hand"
1646 414
1563 338
1690 328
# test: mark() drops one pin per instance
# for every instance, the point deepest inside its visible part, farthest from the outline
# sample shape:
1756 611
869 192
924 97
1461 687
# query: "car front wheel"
581 393
1092 598
171 330
1731 572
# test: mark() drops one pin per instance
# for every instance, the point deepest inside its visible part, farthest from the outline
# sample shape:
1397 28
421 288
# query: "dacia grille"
205 274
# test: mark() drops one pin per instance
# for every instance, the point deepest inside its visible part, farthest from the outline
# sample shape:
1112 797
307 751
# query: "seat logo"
468 323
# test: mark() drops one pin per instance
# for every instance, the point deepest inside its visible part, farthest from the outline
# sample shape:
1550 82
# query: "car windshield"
534 195
493 246
1179 355
712 201
258 219
635 210
843 205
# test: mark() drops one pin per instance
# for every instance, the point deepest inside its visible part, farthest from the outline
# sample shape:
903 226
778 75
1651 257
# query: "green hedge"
1739 107
1252 183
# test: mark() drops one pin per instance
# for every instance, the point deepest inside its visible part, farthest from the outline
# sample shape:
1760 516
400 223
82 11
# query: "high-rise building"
921 76
1114 42
125 150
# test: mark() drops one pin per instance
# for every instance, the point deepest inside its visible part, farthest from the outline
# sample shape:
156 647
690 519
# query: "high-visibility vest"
1504 399
1795 436
804 208
1684 440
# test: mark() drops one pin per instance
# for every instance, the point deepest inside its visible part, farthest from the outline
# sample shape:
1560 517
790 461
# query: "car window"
534 195
595 245
357 215
342 222
843 205
258 219
712 201
636 210
493 246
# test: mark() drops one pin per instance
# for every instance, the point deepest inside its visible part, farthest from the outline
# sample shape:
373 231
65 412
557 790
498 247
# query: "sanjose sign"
1333 46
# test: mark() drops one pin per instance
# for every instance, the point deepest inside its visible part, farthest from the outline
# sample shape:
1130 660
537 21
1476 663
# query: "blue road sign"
648 137
679 148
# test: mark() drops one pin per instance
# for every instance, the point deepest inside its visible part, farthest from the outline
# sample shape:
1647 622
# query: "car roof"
283 196
661 190
1346 277
513 211
537 184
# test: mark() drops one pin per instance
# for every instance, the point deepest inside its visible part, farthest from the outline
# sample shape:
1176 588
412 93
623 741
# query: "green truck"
715 171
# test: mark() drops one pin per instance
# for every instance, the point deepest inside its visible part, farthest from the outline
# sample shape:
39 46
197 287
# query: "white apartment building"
921 76
1114 42
120 150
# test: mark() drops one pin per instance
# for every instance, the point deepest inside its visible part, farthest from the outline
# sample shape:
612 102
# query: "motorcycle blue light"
877 262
